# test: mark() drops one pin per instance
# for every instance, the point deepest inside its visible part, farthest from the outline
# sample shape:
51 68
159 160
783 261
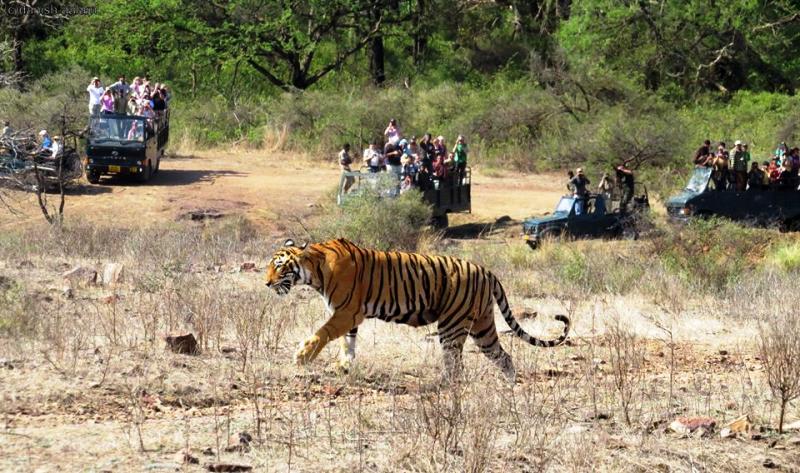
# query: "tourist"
345 160
460 155
392 132
96 91
580 183
372 158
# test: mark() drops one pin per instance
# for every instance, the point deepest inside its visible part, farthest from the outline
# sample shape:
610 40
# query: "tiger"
406 288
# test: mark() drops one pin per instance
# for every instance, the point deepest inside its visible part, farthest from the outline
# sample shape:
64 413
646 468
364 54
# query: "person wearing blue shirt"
47 143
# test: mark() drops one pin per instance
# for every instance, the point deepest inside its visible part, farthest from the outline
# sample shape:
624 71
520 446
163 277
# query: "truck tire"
147 172
93 177
439 221
158 162
790 225
551 234
533 244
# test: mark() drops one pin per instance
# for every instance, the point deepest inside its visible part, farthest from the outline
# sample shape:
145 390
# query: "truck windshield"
564 205
116 131
699 180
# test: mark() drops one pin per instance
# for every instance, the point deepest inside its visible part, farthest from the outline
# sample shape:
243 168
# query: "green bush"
373 219
711 255
785 256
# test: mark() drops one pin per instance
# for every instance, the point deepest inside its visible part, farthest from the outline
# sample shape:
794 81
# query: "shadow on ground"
173 177
473 230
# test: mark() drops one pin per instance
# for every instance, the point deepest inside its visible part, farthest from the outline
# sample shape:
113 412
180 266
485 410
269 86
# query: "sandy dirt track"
264 187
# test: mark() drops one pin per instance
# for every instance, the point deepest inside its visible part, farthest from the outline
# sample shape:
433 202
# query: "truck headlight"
685 211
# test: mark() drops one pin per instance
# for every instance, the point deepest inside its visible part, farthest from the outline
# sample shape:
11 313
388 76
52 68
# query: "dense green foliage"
372 219
533 85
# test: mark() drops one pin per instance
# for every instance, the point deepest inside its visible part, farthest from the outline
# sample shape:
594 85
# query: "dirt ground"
263 187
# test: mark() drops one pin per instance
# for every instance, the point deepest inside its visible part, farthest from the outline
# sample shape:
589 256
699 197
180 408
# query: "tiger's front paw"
344 365
308 351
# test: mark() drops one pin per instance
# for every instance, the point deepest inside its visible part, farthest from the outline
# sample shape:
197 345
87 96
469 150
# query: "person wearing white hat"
740 160
47 143
95 90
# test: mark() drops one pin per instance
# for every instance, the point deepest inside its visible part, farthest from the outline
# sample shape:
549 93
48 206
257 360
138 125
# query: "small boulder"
81 275
184 344
112 274
247 267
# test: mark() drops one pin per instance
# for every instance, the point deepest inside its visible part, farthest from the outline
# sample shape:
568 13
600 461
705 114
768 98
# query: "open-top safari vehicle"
125 145
596 216
450 195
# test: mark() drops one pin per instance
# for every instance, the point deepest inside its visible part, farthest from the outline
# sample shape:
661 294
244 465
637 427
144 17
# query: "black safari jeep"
762 207
125 144
599 217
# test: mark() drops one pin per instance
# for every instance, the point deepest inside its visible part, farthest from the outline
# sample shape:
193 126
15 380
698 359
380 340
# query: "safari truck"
129 145
761 207
597 217
446 196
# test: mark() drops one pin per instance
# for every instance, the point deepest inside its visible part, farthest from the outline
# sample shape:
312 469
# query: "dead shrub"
779 348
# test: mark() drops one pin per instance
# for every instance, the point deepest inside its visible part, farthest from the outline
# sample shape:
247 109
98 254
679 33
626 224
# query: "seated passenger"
47 143
55 148
135 133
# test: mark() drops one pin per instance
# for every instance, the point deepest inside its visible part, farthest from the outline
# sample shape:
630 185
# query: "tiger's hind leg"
484 334
452 348
348 354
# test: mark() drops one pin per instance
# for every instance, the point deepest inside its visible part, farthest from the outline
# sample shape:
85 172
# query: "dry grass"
88 385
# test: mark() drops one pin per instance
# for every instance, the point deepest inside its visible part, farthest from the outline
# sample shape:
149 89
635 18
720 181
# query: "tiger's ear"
291 243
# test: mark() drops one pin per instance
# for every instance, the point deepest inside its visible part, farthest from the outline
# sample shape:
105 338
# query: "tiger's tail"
502 302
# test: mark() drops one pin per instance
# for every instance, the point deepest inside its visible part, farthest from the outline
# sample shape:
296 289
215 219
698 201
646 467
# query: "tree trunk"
376 61
420 33
16 55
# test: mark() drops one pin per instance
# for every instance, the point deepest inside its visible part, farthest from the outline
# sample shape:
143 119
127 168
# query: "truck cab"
121 144
762 206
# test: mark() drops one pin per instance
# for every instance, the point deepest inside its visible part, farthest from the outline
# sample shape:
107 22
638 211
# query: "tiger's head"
285 269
